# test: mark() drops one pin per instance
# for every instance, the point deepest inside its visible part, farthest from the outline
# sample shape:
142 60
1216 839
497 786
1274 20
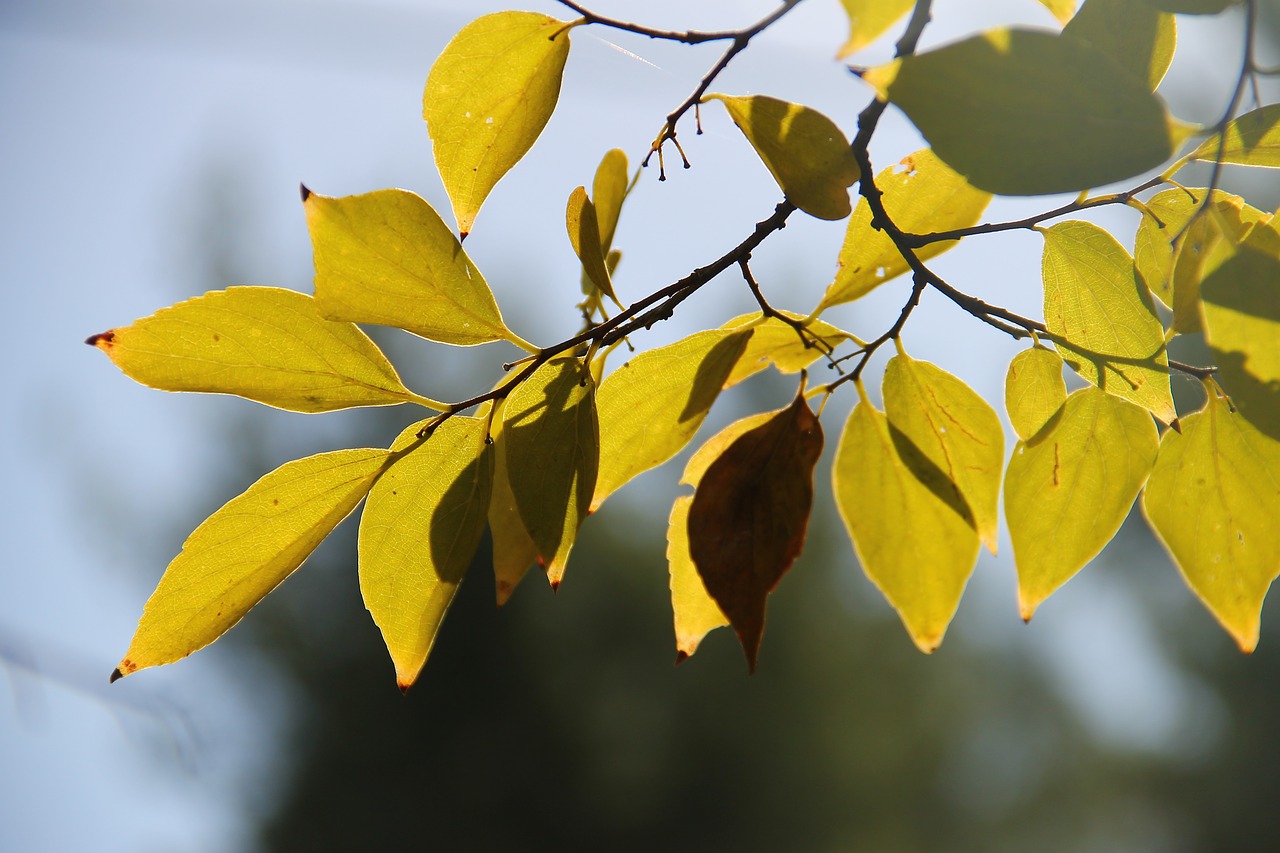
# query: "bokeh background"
152 151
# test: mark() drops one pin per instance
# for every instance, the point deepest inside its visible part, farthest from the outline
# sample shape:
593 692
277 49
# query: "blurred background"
152 151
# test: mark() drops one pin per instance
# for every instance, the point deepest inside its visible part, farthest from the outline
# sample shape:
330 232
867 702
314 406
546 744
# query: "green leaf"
950 432
245 549
1094 299
911 540
1061 9
1094 123
584 233
1213 499
552 440
418 533
1034 390
609 190
652 405
1241 300
513 550
921 195
776 343
1140 39
261 343
1253 139
488 97
869 19
1192 7
805 151
387 258
1068 490
749 514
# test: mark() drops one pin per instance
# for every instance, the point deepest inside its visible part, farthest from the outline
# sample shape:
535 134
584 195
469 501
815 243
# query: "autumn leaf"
513 550
868 20
1034 390
584 234
1138 37
776 344
749 514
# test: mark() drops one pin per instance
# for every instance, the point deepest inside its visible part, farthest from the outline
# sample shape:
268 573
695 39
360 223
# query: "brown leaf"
749 514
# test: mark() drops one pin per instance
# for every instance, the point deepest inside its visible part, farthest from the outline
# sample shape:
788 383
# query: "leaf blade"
1034 390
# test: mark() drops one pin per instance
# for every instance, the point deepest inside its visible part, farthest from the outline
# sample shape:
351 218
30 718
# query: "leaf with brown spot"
749 515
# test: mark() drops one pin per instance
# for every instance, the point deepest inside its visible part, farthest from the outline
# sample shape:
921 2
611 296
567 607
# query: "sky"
141 137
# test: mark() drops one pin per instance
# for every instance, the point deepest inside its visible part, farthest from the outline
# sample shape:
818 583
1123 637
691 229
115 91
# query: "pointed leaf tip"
681 657
102 340
305 192
116 675
404 687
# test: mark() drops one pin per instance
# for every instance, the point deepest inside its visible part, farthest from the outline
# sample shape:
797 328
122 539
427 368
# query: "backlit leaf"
608 191
1241 301
1094 123
584 234
921 195
1213 499
552 442
387 258
950 431
1137 36
489 95
694 611
913 541
749 514
868 20
1034 390
1212 239
513 550
418 533
245 549
650 407
1061 9
1094 299
805 151
1253 139
262 343
776 343
1191 7
1068 490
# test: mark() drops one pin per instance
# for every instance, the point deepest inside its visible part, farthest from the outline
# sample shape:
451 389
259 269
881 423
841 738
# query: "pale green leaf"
489 95
262 343
1192 7
513 550
1061 9
1068 490
387 258
650 407
584 233
776 343
245 549
552 447
1095 301
1034 390
922 195
1253 139
418 533
941 427
1138 37
869 19
1026 112
805 151
913 541
1213 499
1241 301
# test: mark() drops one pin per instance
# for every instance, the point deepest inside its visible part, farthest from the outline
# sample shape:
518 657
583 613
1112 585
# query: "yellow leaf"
245 549
1068 490
1061 9
1140 39
921 195
1034 390
584 233
1094 123
776 343
387 258
609 190
868 20
695 612
418 532
912 543
651 406
1242 325
1213 238
1213 499
1192 7
1093 299
552 441
805 152
943 429
1253 139
513 550
489 95
261 343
